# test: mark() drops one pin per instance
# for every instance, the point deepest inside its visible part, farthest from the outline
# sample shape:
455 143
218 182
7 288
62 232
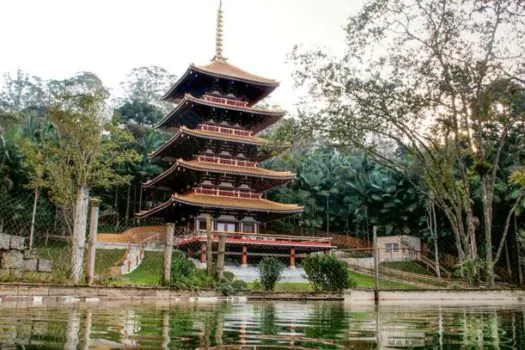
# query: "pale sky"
55 39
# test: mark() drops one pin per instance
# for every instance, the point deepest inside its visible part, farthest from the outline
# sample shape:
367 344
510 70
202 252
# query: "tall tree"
148 85
83 155
21 91
430 77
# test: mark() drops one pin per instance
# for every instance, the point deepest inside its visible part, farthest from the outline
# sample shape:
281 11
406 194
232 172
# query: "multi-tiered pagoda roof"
214 151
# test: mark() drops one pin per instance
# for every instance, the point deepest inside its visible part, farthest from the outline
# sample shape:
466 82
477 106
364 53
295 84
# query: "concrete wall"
436 297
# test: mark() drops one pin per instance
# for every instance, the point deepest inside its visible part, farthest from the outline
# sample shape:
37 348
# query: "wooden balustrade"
261 236
226 161
227 131
225 101
223 193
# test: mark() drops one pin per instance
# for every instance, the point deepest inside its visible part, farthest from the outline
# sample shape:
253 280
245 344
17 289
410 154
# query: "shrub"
257 285
225 287
239 285
270 269
228 276
327 273
184 274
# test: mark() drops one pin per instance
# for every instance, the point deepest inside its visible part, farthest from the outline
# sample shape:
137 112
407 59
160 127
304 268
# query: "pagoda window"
225 226
248 227
201 225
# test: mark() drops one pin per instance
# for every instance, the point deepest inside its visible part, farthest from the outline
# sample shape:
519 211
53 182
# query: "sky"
54 39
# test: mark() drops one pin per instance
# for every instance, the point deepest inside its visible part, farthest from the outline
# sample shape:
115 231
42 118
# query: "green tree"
270 270
148 85
414 77
140 113
83 156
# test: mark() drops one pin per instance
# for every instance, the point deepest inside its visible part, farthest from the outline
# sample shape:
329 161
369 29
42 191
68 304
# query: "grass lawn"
407 266
61 257
363 281
367 282
149 273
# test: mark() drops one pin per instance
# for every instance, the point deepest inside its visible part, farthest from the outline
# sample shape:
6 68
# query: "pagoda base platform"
285 242
250 246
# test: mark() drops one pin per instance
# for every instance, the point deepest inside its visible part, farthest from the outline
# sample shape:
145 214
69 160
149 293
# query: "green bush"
326 273
239 285
228 276
256 285
225 287
184 274
270 270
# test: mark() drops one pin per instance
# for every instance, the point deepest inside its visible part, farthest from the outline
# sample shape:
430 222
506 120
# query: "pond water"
261 325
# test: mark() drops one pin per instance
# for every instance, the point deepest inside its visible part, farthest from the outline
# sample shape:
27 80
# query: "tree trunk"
79 233
520 270
486 200
33 218
507 257
116 207
168 251
92 241
134 203
127 204
220 255
328 215
432 225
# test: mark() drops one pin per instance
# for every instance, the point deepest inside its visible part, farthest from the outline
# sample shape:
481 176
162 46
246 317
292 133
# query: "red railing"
257 237
227 131
226 161
225 101
223 193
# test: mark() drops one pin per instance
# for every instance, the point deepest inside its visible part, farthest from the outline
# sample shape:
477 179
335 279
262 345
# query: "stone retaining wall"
15 259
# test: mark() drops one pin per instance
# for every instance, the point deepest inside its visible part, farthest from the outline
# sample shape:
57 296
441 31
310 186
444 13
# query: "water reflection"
319 325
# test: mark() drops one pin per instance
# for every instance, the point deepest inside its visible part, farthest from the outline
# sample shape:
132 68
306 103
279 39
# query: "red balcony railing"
223 193
226 161
225 101
228 131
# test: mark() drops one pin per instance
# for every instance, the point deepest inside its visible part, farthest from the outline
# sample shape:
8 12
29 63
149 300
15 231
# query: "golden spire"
218 40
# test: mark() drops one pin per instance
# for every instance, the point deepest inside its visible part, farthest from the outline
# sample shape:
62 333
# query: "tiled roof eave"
185 200
157 209
206 135
226 170
265 82
189 98
238 171
166 96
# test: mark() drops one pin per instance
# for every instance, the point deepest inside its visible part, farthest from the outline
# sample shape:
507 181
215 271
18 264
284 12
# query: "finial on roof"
218 40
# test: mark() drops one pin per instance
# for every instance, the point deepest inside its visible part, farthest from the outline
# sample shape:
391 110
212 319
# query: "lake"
260 325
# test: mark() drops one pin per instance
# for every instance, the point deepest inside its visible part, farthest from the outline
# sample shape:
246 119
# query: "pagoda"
214 154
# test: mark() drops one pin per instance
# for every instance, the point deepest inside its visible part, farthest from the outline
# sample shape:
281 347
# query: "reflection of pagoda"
214 152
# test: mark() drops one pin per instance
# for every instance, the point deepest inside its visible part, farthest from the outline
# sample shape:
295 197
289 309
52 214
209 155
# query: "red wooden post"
244 257
292 258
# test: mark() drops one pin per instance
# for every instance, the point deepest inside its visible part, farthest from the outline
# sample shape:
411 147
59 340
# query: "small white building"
398 248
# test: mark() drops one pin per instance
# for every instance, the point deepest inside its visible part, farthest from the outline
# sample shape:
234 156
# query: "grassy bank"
149 273
60 255
407 266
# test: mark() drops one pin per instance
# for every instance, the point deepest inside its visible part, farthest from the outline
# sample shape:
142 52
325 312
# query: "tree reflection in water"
320 325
